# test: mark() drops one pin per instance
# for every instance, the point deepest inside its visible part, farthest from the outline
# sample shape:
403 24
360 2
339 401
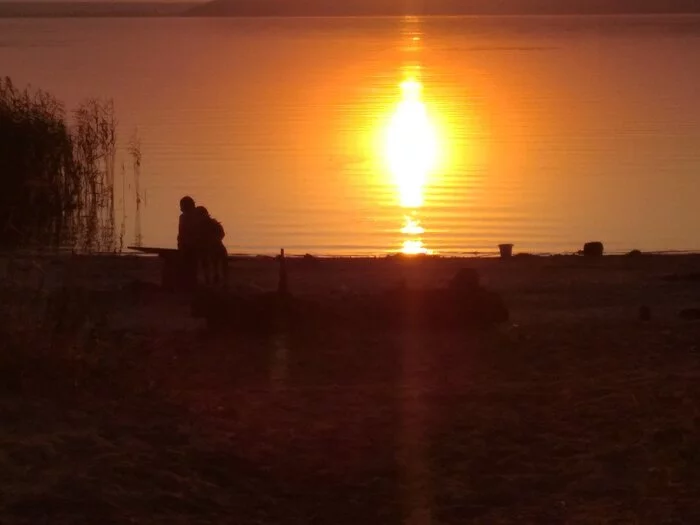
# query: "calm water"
354 136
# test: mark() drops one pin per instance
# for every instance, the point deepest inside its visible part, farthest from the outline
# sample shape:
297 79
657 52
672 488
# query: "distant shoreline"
86 15
227 9
372 8
9 10
300 254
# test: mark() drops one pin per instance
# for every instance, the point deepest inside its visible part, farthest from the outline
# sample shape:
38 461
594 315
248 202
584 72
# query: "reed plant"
56 172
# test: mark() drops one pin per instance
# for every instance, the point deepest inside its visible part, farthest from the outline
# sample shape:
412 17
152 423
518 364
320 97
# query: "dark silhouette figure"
212 255
187 243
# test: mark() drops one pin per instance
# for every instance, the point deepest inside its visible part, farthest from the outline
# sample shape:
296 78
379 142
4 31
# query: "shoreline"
48 10
622 280
233 256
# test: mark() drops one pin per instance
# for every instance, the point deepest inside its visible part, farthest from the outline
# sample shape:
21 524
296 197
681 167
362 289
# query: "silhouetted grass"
56 174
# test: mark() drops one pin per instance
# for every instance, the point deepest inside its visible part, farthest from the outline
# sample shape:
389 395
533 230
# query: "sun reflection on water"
411 150
411 145
412 226
414 247
413 229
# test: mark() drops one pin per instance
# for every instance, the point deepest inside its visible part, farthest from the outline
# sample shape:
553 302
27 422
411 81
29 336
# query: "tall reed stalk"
56 174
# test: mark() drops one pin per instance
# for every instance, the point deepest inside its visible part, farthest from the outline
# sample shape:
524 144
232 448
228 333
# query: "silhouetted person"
187 243
212 254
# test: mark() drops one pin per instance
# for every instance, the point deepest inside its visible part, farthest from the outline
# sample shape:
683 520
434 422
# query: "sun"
411 145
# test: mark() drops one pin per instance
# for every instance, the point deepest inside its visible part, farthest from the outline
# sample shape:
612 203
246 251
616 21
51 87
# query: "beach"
574 411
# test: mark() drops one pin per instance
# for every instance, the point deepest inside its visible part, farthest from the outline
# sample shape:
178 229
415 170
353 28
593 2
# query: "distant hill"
92 9
439 7
215 8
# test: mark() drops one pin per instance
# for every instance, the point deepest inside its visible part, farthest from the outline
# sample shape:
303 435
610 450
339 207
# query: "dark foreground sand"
574 412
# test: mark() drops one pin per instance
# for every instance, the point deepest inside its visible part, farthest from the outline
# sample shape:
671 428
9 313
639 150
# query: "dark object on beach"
690 314
465 280
593 249
171 269
644 313
506 250
634 253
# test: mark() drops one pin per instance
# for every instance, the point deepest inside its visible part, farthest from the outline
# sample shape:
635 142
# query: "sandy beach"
575 411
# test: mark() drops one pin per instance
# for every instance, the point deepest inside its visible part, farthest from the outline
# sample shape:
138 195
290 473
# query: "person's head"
202 211
186 204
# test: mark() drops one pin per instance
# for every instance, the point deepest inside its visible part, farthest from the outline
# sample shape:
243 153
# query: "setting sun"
411 145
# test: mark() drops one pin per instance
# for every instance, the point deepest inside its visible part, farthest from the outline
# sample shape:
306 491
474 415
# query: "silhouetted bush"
57 177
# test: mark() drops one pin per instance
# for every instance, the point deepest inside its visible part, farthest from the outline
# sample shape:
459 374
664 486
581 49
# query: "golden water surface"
369 136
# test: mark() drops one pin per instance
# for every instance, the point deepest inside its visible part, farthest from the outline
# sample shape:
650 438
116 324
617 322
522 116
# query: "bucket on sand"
506 250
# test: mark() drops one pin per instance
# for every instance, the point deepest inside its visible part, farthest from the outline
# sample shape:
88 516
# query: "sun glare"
414 247
413 229
412 226
411 145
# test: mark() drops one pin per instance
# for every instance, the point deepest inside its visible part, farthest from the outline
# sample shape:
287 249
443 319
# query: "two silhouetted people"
200 243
